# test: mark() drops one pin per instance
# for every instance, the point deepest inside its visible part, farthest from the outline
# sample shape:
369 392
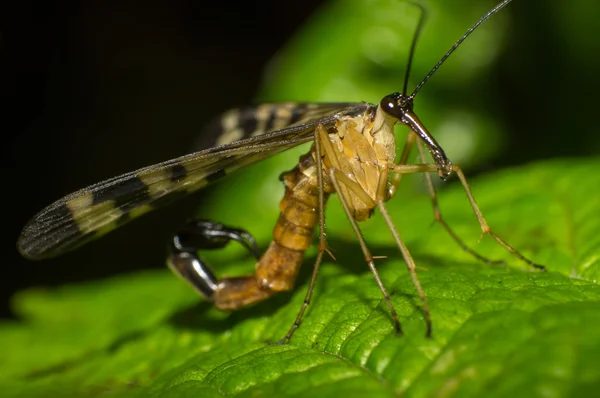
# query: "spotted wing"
93 211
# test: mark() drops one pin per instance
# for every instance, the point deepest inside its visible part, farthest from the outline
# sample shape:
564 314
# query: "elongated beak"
415 124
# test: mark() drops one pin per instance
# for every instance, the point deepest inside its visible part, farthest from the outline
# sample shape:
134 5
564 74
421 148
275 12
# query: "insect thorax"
363 146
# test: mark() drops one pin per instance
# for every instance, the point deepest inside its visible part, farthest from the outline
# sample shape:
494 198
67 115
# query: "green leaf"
497 330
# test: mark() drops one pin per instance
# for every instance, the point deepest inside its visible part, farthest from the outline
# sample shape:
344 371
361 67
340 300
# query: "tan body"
361 148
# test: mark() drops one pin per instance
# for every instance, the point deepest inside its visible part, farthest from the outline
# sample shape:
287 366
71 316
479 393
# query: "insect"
353 154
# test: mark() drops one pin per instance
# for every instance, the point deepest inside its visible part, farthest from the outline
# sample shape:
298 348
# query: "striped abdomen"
277 269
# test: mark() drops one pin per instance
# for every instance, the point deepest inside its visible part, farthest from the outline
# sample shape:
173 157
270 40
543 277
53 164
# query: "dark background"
91 89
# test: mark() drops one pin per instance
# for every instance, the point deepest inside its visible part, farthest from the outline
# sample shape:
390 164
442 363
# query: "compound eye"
389 104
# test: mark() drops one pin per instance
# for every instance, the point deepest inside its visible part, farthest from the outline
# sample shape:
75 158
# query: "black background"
91 89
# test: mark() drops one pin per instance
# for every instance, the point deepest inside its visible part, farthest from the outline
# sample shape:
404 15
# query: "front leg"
485 229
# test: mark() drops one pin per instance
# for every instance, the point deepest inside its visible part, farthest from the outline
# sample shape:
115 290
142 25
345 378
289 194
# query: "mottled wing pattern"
241 123
93 211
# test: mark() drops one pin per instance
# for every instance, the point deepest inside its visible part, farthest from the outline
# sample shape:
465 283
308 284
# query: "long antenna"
413 45
455 46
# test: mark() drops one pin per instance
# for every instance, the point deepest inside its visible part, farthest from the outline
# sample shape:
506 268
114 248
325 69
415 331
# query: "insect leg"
484 225
203 235
319 131
396 178
338 178
437 215
410 264
429 168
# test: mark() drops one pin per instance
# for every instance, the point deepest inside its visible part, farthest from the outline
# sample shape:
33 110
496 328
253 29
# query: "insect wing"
242 123
93 211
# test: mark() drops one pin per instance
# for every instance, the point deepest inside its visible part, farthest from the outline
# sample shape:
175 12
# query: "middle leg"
485 228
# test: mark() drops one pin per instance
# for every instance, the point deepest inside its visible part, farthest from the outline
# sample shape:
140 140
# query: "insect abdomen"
277 269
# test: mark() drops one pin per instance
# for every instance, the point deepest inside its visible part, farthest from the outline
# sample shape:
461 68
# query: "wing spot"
230 136
92 218
283 117
231 130
263 113
158 183
81 202
216 176
126 194
178 172
230 119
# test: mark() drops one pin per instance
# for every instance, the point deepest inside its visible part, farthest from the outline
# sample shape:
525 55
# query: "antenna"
413 45
455 46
